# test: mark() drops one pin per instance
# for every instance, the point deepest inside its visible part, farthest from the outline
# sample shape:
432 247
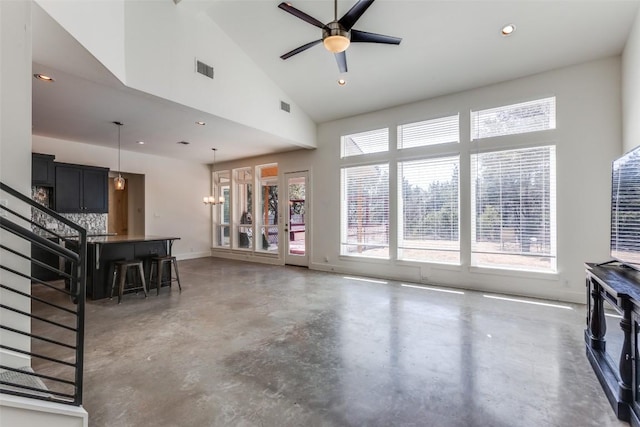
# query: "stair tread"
23 379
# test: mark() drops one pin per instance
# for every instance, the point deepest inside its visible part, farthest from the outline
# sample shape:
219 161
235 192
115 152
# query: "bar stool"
157 266
120 270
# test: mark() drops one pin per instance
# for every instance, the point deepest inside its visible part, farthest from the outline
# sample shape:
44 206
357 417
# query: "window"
221 182
514 119
365 211
513 209
267 200
428 216
429 132
375 141
243 208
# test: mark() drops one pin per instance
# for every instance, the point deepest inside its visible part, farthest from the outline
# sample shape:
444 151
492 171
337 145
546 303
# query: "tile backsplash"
94 223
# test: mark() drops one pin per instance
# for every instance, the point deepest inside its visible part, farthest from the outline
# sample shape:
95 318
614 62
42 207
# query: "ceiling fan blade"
350 18
365 37
300 49
300 14
341 59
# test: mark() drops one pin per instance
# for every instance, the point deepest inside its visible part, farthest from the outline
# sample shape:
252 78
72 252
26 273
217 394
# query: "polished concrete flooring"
255 345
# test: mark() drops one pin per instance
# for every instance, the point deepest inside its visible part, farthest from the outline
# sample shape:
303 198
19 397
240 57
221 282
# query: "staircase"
41 321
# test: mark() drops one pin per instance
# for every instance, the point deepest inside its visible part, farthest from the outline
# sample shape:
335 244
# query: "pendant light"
213 200
118 181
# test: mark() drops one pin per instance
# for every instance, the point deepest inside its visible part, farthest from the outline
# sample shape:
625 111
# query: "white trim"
22 404
192 255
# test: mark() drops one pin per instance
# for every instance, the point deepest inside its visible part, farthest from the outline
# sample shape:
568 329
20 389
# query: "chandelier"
213 200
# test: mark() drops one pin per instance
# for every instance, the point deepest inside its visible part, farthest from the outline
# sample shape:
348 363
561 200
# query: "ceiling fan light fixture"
336 44
335 38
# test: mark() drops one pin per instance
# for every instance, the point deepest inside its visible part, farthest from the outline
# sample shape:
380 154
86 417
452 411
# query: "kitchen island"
103 250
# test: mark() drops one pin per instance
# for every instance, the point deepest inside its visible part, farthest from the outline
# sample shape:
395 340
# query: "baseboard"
562 295
193 255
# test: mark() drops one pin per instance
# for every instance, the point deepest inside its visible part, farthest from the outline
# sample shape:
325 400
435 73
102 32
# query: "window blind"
428 214
531 116
375 141
513 209
365 211
429 132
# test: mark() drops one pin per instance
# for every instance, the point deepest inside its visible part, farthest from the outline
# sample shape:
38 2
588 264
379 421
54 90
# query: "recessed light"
141 142
342 82
508 29
201 123
43 77
184 142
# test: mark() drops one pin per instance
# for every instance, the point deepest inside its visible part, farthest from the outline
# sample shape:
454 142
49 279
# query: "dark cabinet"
42 170
81 189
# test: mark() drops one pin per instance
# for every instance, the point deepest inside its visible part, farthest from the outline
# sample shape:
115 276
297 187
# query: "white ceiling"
447 46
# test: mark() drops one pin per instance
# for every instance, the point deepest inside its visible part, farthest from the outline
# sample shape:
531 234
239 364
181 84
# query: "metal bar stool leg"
144 284
175 267
113 280
123 279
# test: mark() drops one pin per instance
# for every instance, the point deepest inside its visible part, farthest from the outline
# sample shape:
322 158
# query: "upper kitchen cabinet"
42 170
81 189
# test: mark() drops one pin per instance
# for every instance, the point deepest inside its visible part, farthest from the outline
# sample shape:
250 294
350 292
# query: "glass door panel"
297 236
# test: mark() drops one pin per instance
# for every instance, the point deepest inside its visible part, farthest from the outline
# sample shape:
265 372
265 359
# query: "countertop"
127 238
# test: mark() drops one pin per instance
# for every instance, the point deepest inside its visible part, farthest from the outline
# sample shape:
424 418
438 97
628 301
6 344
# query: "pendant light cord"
119 149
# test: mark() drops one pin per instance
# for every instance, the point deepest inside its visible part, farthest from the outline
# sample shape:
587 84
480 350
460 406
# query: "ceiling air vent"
204 69
285 107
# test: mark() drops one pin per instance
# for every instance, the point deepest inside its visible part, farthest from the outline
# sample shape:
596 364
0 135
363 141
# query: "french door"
297 217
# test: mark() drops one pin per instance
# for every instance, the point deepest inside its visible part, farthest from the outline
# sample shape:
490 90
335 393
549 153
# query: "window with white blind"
365 211
375 141
429 132
513 221
428 210
514 119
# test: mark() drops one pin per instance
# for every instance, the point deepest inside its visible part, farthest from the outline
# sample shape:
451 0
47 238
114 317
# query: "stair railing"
53 310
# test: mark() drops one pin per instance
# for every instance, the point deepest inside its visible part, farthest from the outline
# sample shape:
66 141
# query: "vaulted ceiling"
447 46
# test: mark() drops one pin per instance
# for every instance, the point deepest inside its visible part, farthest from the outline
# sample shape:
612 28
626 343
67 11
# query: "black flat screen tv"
625 209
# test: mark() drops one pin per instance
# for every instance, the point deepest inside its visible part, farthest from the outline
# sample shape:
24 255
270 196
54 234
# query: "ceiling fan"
339 33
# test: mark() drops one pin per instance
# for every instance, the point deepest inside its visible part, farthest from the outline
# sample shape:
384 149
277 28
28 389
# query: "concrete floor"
256 345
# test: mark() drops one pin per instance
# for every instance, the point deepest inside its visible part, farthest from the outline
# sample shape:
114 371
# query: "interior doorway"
126 207
296 232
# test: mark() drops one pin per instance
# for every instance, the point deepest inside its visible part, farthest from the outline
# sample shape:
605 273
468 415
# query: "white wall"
15 161
588 138
173 190
631 88
103 37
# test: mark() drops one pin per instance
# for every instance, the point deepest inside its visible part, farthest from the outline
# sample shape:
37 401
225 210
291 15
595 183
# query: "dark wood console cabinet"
81 189
611 336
